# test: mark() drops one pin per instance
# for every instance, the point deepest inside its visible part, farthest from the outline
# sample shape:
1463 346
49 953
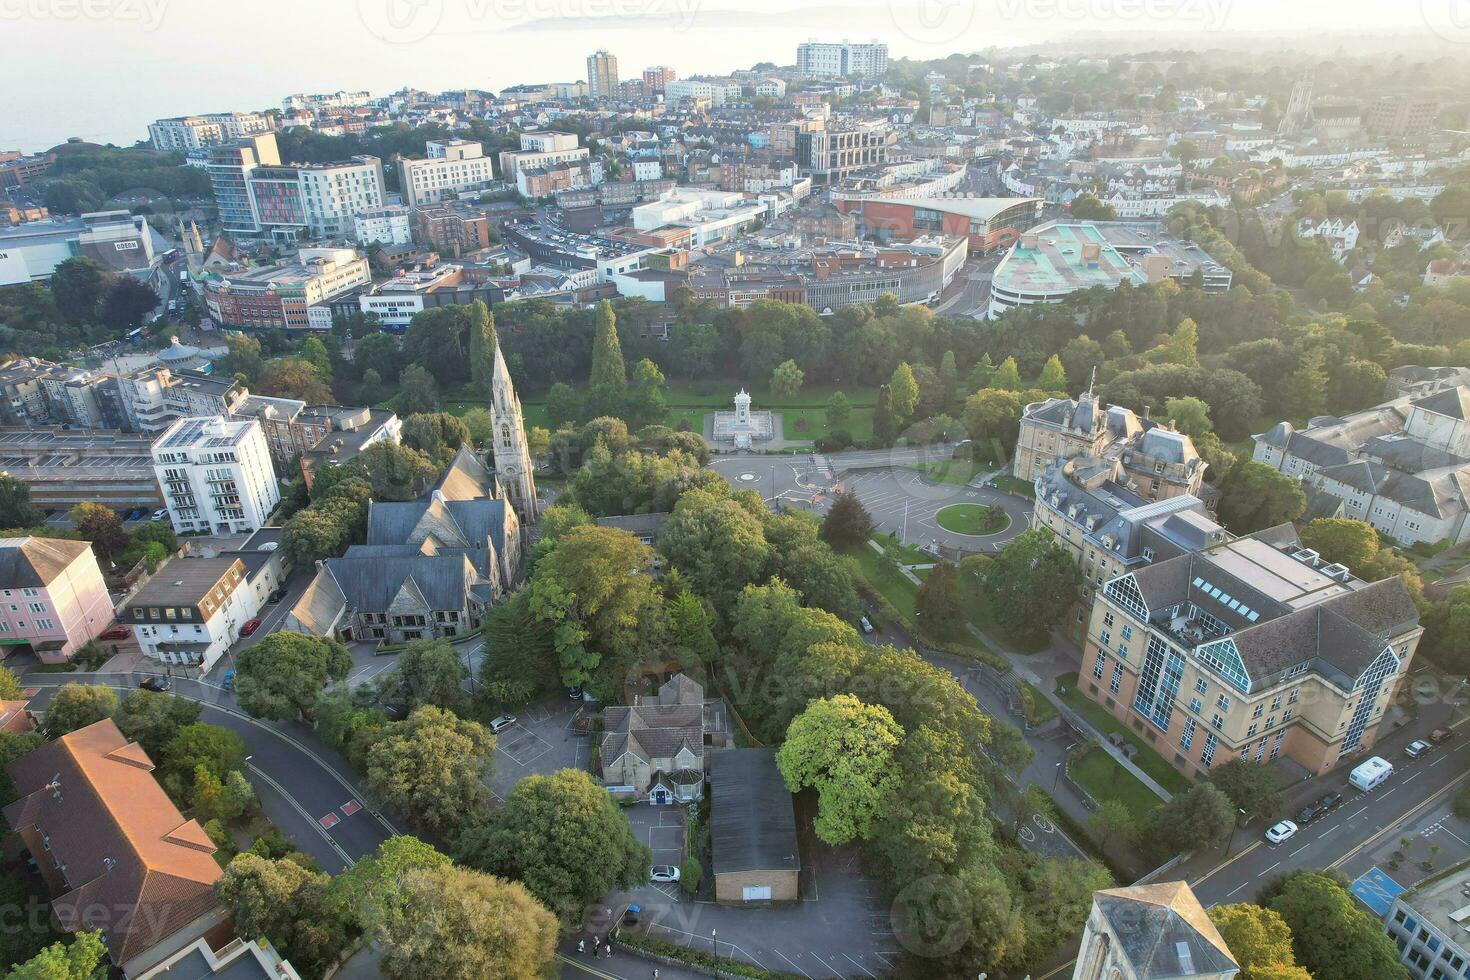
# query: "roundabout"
972 520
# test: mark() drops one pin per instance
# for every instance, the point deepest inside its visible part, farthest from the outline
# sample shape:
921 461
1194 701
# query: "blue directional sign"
1377 890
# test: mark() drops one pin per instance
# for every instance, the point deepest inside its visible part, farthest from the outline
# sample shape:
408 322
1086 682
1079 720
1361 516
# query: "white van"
1371 774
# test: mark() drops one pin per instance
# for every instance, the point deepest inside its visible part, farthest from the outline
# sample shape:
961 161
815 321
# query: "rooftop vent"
1306 556
1337 571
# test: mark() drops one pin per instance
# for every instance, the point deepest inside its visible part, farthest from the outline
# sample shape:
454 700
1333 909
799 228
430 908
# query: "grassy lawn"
975 519
859 423
1099 774
1012 485
956 472
907 554
892 585
1146 759
1039 709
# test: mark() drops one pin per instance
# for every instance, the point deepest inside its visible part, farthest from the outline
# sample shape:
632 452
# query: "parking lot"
841 927
541 741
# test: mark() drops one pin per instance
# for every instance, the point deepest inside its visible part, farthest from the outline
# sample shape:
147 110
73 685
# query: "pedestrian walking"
581 945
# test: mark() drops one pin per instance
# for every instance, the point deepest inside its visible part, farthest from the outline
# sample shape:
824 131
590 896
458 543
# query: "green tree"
372 891
1007 377
561 836
213 798
1254 496
844 749
101 526
690 872
563 405
885 423
293 377
1332 937
1447 631
80 959
1031 584
77 286
994 414
482 346
288 904
607 353
1305 395
9 685
719 543
77 706
786 379
847 523
314 352
949 378
1250 786
1183 345
281 676
418 392
217 750
460 924
1202 817
1053 376
396 472
1190 415
478 422
438 435
151 718
427 672
13 745
839 411
1342 540
16 510
694 640
430 767
646 403
1260 941
1112 821
939 601
1087 207
904 392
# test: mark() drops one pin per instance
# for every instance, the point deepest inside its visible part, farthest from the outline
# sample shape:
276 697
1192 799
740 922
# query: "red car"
251 625
118 632
1440 735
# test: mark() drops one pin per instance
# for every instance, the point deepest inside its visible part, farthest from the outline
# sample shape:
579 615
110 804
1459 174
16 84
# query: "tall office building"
257 196
230 168
602 75
852 60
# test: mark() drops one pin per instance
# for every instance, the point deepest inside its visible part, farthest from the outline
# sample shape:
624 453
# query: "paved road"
901 501
302 783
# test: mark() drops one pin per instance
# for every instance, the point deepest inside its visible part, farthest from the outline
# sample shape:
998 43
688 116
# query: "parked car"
159 684
502 723
251 625
1441 735
630 915
663 872
276 596
1282 831
574 694
1318 808
161 514
1417 748
867 626
118 632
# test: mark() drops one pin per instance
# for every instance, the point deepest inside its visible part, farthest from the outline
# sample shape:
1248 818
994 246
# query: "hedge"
701 959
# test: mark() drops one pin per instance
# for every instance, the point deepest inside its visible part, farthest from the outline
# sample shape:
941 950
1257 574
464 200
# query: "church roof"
1164 932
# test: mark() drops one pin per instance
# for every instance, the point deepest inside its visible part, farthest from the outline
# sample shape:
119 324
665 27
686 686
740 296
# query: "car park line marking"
793 963
859 966
1268 870
1400 819
835 971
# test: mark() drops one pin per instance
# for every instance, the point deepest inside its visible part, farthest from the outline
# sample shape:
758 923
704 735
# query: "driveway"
540 742
841 927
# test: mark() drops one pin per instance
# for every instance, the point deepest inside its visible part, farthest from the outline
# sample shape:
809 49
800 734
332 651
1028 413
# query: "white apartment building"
216 475
333 194
183 133
389 225
190 612
452 168
829 59
542 149
396 301
710 216
771 88
647 170
719 91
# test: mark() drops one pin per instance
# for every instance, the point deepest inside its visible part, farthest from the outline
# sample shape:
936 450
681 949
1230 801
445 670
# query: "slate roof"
1451 402
122 840
658 727
1163 931
752 819
31 563
321 606
442 581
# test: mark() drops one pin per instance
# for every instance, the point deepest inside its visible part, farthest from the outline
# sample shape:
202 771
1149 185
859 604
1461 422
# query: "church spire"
512 455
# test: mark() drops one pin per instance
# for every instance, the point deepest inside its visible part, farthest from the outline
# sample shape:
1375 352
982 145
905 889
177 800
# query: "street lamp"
713 933
1057 778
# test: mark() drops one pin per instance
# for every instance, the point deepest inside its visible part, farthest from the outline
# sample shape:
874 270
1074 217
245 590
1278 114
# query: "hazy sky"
103 69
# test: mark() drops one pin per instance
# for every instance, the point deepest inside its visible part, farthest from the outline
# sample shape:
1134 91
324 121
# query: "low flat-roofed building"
353 430
1430 924
988 223
1052 261
66 467
756 856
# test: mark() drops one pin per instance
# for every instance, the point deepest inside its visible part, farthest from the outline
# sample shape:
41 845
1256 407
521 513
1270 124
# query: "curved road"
306 788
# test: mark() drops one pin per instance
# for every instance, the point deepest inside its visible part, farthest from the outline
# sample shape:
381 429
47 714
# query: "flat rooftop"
1442 902
1055 264
1274 573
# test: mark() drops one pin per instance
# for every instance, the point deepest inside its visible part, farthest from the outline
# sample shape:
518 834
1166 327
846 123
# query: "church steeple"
512 456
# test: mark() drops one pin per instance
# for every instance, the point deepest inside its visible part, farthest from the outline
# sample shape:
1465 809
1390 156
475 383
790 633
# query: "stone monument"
742 427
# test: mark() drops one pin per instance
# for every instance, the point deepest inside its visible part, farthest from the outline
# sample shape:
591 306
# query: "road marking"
789 960
1325 833
584 967
329 821
295 805
1410 779
1436 762
1405 816
350 807
1268 870
1225 864
1236 888
1299 850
